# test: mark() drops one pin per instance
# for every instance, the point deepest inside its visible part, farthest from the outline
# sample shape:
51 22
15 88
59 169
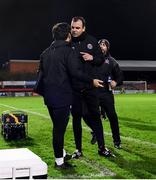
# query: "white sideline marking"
32 112
87 128
129 139
103 171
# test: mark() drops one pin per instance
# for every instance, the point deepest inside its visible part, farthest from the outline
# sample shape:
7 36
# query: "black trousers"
86 105
107 102
60 118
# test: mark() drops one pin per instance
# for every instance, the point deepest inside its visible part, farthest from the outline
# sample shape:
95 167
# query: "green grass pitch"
136 159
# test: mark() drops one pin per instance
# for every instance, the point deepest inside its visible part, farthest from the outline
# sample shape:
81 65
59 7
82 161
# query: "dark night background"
129 25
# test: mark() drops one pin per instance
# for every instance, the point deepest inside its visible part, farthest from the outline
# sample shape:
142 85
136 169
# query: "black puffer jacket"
88 44
59 64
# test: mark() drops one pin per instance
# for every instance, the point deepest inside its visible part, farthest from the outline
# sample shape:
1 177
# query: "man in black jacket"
58 64
112 76
85 101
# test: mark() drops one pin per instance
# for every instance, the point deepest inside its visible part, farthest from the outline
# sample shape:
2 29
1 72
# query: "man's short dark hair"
76 18
61 30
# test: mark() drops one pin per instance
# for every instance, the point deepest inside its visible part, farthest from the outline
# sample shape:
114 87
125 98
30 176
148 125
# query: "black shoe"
93 140
106 153
117 145
65 165
67 157
77 154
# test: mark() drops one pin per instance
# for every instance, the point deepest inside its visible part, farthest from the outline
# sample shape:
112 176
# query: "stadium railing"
15 88
25 88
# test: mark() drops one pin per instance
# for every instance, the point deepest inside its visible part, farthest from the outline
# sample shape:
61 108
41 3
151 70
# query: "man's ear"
69 37
84 29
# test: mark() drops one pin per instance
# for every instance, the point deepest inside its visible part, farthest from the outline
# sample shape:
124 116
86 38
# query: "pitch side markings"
32 112
87 128
103 171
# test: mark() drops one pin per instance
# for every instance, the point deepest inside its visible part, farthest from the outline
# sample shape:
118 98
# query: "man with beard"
112 76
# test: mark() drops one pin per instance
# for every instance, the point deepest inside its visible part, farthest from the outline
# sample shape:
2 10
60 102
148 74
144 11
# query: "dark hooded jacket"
59 64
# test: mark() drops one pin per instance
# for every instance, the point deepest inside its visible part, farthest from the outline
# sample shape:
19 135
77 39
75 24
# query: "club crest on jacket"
89 46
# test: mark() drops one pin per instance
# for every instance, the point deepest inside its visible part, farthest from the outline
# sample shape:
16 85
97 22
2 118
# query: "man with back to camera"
58 64
112 76
85 101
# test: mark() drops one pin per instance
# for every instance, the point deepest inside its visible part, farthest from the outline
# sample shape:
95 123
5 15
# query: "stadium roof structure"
133 65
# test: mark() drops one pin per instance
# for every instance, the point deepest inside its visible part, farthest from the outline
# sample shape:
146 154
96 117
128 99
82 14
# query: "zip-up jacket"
88 44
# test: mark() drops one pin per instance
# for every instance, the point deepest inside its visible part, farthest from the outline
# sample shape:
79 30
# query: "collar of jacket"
59 43
106 55
79 38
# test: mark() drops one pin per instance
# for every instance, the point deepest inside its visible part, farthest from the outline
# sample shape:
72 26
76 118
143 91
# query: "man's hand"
113 84
98 83
86 56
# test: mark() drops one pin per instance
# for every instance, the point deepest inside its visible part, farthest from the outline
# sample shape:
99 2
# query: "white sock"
64 153
59 161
